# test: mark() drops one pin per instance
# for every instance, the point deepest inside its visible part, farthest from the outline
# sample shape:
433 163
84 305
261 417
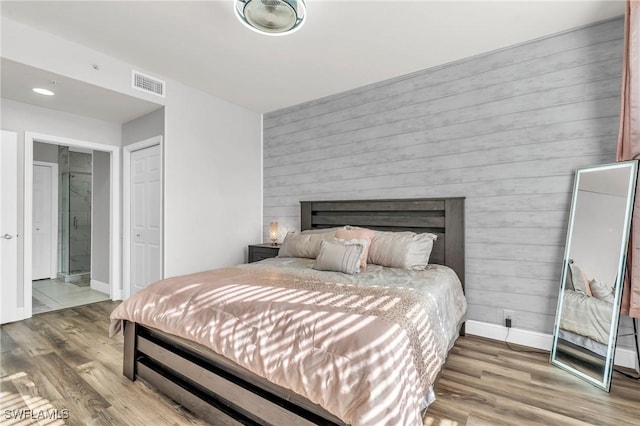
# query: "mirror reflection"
593 271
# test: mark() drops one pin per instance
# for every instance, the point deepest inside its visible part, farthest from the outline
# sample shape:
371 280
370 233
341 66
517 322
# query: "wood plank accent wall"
506 129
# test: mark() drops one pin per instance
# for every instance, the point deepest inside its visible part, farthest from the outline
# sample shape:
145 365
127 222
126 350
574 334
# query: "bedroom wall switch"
508 315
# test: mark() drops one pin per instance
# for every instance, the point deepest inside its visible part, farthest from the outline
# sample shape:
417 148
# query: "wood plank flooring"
64 360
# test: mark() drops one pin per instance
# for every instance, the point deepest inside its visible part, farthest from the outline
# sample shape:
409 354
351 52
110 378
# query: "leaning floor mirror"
586 325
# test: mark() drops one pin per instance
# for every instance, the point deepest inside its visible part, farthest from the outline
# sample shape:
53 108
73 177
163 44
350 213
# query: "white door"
146 217
9 227
43 259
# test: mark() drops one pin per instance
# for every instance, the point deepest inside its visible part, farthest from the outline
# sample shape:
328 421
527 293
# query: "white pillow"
406 250
579 280
305 243
341 255
601 291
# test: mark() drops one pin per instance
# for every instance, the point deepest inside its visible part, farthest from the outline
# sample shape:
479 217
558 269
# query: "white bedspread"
365 347
586 316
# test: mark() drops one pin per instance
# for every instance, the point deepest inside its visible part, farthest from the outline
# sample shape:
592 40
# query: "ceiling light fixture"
42 91
271 17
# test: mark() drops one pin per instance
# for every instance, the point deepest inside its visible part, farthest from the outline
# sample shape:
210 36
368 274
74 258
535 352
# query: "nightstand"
262 251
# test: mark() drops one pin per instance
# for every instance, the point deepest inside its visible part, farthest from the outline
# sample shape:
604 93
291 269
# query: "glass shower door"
76 222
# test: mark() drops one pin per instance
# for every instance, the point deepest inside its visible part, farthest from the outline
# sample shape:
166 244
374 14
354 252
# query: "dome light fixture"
271 17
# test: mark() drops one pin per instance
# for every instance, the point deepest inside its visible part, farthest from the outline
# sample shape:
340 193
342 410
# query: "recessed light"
43 91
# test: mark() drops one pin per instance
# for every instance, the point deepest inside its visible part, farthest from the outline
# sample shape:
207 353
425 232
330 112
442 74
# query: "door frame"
114 255
54 215
126 208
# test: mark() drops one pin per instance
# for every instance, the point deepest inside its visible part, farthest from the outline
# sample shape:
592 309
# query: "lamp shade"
272 17
273 232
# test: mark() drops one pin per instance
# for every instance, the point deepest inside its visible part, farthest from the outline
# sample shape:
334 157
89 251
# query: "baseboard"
117 295
100 286
533 339
106 289
626 358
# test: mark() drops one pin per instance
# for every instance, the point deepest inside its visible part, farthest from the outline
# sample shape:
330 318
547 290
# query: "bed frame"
224 393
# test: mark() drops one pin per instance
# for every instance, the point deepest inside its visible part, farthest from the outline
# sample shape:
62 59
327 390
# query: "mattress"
366 347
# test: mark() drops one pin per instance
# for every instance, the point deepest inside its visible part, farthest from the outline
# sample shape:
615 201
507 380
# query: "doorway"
62 243
87 216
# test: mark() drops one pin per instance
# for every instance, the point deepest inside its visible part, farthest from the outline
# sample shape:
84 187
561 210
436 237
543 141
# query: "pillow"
601 291
406 250
351 233
569 281
340 255
305 243
579 279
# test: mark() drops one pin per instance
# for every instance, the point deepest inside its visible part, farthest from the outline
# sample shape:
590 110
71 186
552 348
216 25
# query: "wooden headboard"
441 216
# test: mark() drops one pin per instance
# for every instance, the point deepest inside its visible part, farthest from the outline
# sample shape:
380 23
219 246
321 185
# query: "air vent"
146 83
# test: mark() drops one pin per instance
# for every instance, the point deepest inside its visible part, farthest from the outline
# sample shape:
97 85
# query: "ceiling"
344 44
71 95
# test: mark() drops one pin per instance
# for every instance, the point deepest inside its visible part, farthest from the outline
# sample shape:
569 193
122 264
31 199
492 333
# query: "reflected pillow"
406 250
579 279
601 291
351 233
341 255
305 243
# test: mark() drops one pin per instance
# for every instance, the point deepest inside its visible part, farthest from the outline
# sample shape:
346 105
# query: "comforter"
586 316
365 347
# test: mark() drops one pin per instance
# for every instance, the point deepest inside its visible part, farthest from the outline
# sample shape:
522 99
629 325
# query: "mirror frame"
605 384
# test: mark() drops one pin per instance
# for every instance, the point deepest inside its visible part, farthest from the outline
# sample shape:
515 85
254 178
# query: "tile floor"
51 295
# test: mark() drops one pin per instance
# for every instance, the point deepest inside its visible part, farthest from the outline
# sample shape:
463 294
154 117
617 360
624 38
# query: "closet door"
146 217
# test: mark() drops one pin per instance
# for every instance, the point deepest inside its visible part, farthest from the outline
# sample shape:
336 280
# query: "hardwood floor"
486 383
64 360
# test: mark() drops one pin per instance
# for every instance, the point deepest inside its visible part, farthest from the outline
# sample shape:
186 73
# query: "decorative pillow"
305 243
579 279
569 281
340 255
406 250
349 233
601 291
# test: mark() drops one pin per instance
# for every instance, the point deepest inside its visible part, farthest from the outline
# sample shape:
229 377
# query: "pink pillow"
358 234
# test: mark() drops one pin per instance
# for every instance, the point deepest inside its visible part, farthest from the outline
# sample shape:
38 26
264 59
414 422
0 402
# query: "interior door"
146 217
42 260
9 227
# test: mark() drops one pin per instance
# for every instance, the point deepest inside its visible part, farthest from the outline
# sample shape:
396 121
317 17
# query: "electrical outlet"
508 314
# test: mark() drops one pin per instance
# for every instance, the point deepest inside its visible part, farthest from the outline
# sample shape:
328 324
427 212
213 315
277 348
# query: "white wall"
142 128
45 152
213 149
213 182
18 117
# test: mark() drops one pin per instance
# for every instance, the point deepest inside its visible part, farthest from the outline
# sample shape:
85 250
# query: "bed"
587 317
587 311
226 391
